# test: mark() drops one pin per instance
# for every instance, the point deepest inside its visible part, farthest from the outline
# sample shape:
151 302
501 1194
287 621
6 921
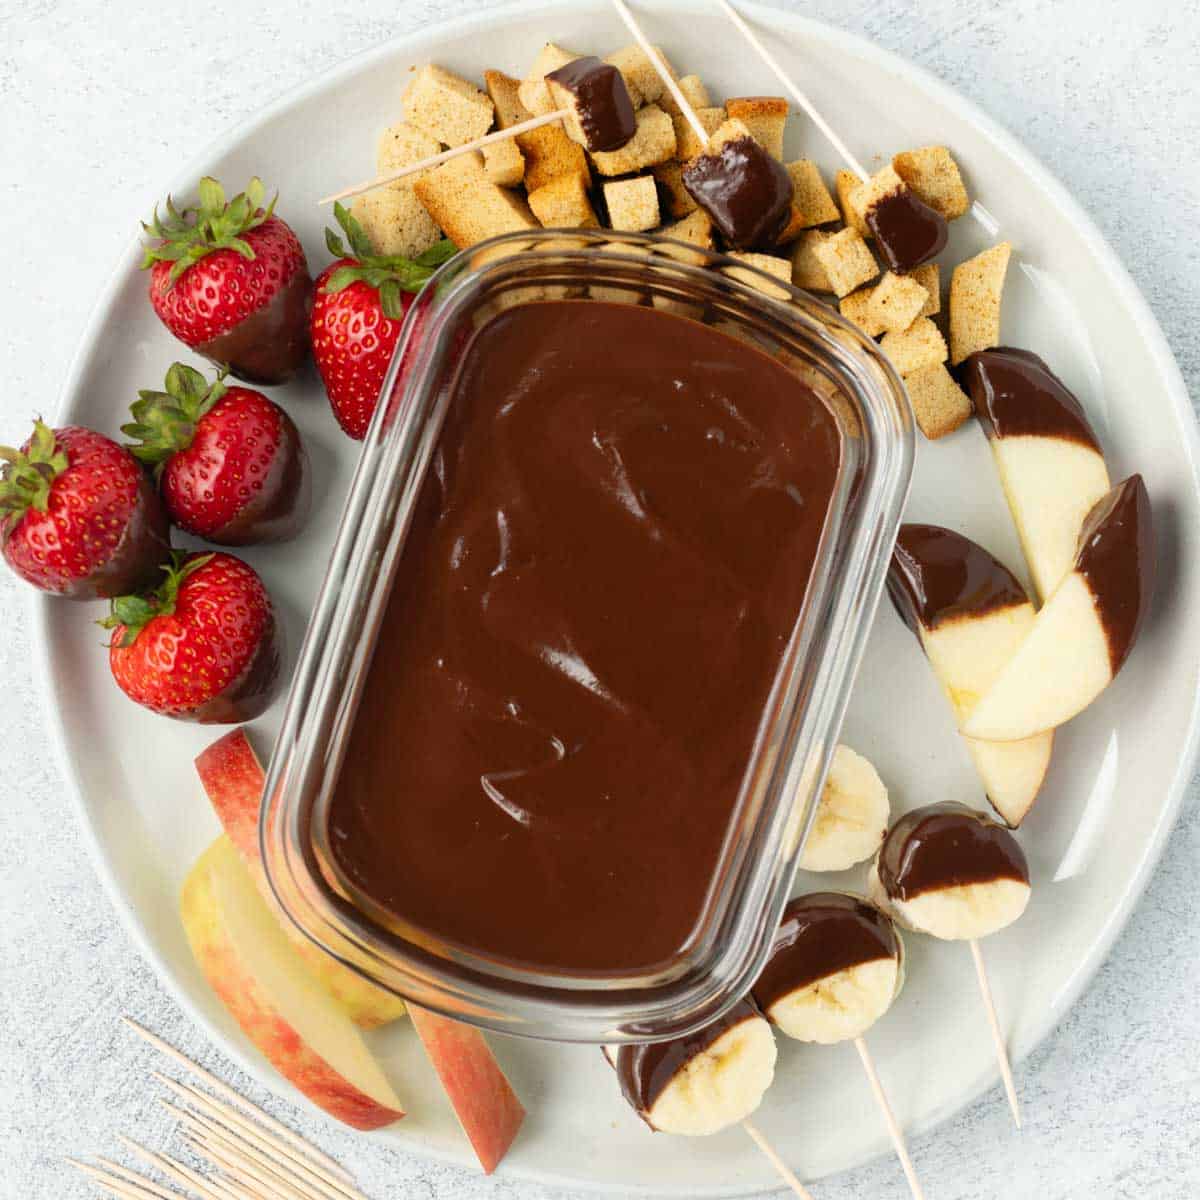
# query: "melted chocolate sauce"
746 192
1116 558
947 845
821 934
907 231
600 100
938 575
603 571
1016 395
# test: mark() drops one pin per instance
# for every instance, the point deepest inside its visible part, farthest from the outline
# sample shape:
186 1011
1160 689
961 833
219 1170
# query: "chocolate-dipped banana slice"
834 970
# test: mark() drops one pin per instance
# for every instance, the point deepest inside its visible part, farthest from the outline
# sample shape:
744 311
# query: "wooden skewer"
129 1185
435 160
245 1173
1006 1075
889 1118
796 94
137 1180
277 1128
785 1172
181 1174
657 63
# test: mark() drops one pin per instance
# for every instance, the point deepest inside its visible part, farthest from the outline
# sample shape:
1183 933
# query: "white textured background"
100 102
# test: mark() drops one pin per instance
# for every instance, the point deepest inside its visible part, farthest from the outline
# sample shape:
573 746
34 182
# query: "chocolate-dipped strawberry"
230 280
951 872
78 516
229 462
836 966
594 95
702 1083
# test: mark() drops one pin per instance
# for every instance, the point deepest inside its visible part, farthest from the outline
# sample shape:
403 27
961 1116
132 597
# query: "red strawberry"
78 517
230 280
203 647
357 315
229 462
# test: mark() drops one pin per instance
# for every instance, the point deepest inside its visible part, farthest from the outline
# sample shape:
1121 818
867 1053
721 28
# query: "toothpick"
246 1173
796 94
239 1101
138 1187
211 1134
661 67
137 1180
785 1172
173 1169
985 989
435 160
889 1119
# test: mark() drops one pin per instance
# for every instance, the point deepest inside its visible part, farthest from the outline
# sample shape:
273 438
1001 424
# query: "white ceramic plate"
1118 772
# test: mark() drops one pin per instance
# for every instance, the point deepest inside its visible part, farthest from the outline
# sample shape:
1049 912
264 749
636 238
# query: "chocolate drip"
746 192
601 101
907 231
819 935
938 575
1016 395
947 845
1116 558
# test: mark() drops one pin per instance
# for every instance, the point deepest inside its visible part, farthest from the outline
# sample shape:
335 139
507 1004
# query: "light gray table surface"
101 102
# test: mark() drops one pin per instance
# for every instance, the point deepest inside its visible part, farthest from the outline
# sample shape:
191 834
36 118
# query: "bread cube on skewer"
687 144
547 151
933 174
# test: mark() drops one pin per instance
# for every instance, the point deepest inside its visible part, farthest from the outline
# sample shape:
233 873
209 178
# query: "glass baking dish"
797 731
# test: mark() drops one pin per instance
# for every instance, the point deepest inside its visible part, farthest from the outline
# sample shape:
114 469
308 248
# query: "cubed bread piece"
563 204
447 107
847 260
672 195
728 131
694 92
632 204
687 144
933 175
465 204
503 163
920 345
764 116
400 146
939 404
696 229
882 184
504 92
929 276
856 308
643 81
808 271
547 151
533 92
653 143
896 302
976 288
780 268
810 195
395 221
847 183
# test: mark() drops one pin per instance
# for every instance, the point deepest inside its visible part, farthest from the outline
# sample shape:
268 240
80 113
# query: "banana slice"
835 969
703 1083
852 815
951 872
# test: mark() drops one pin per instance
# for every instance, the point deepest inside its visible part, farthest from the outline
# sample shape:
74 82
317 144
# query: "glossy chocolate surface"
907 231
606 563
746 192
938 575
820 934
1116 558
271 344
1015 394
645 1070
135 563
601 102
251 693
947 845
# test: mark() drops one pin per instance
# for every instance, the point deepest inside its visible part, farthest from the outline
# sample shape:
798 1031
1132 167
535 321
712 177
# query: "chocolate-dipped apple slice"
1050 462
970 615
1084 634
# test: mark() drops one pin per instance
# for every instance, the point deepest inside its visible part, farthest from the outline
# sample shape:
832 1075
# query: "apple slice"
970 614
1050 461
233 779
255 970
1084 634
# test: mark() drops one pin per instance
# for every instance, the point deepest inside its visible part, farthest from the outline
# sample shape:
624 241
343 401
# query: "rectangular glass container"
797 730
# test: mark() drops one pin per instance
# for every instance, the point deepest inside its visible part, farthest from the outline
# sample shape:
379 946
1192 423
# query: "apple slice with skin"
1049 459
266 986
970 615
1084 634
233 780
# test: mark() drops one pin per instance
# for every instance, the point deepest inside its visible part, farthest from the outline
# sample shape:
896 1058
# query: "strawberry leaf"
137 611
28 474
164 423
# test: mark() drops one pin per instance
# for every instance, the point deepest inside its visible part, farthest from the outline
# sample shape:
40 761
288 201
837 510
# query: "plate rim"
794 24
